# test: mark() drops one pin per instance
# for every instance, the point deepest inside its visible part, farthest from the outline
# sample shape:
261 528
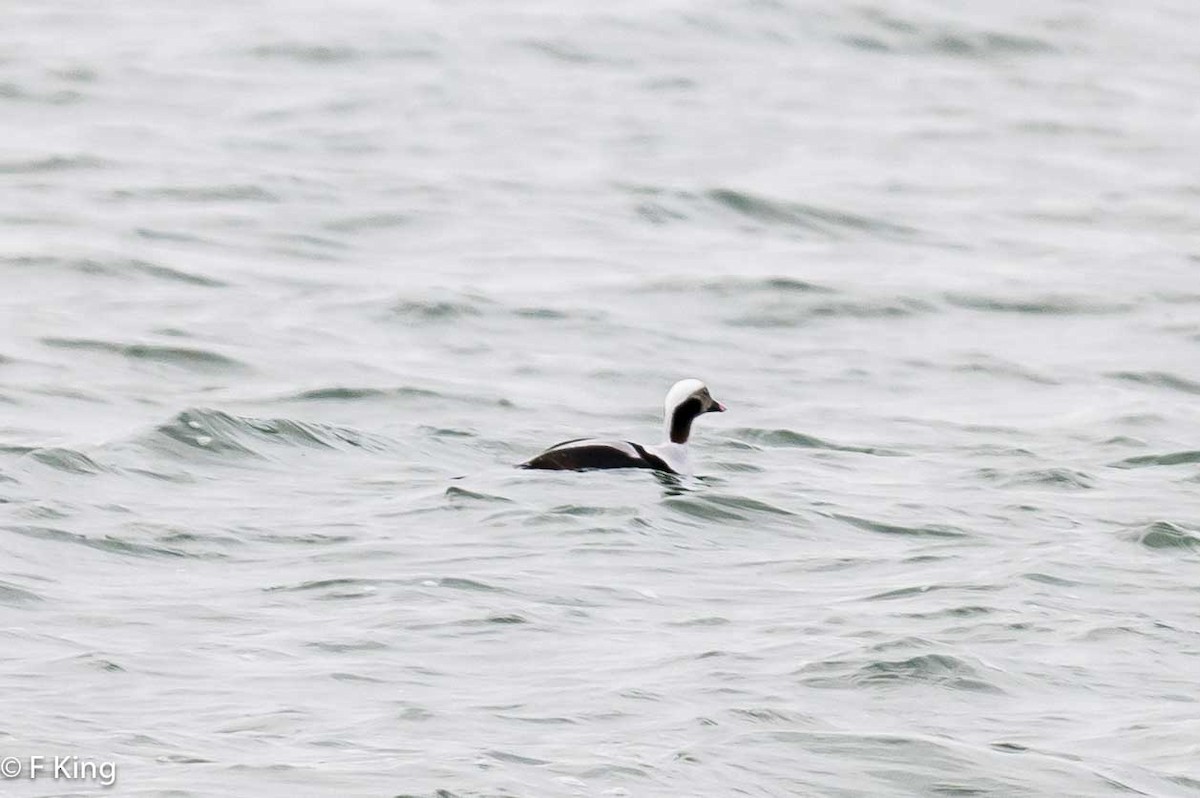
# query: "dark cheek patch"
681 420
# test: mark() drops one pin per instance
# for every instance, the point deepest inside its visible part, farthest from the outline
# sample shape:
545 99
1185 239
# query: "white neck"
677 455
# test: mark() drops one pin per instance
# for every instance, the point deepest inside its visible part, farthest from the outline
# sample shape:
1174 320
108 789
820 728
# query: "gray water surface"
290 286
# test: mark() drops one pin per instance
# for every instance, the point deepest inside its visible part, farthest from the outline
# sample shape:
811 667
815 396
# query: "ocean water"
290 286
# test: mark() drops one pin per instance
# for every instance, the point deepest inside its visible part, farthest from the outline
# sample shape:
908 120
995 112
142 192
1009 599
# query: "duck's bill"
717 408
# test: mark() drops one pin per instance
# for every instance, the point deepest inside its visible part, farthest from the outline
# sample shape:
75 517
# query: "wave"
941 670
774 286
1168 535
184 357
828 221
223 435
117 267
1044 305
1055 478
922 531
14 596
369 221
108 543
307 53
434 310
665 206
1168 459
998 368
67 460
886 32
340 393
1158 379
778 316
53 163
790 438
234 192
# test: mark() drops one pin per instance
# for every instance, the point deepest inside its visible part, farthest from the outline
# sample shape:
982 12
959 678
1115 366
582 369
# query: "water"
290 287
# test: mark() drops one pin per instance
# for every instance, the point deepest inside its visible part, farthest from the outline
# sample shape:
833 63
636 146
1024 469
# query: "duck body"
686 400
584 453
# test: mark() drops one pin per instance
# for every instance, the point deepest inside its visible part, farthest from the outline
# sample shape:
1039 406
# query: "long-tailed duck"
686 400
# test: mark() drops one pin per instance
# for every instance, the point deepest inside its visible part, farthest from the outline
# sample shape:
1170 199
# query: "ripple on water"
118 268
1168 459
701 508
14 596
171 274
993 366
1158 379
770 715
516 759
940 670
920 590
340 583
1168 535
341 393
1044 305
830 222
783 315
581 510
790 438
369 221
911 764
473 585
53 163
962 611
348 648
184 357
307 52
1050 579
459 495
1055 478
888 32
224 435
706 620
200 194
435 310
739 468
774 287
66 460
747 503
660 205
921 531
543 313
109 544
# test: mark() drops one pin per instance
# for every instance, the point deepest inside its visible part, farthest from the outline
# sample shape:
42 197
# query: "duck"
686 401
